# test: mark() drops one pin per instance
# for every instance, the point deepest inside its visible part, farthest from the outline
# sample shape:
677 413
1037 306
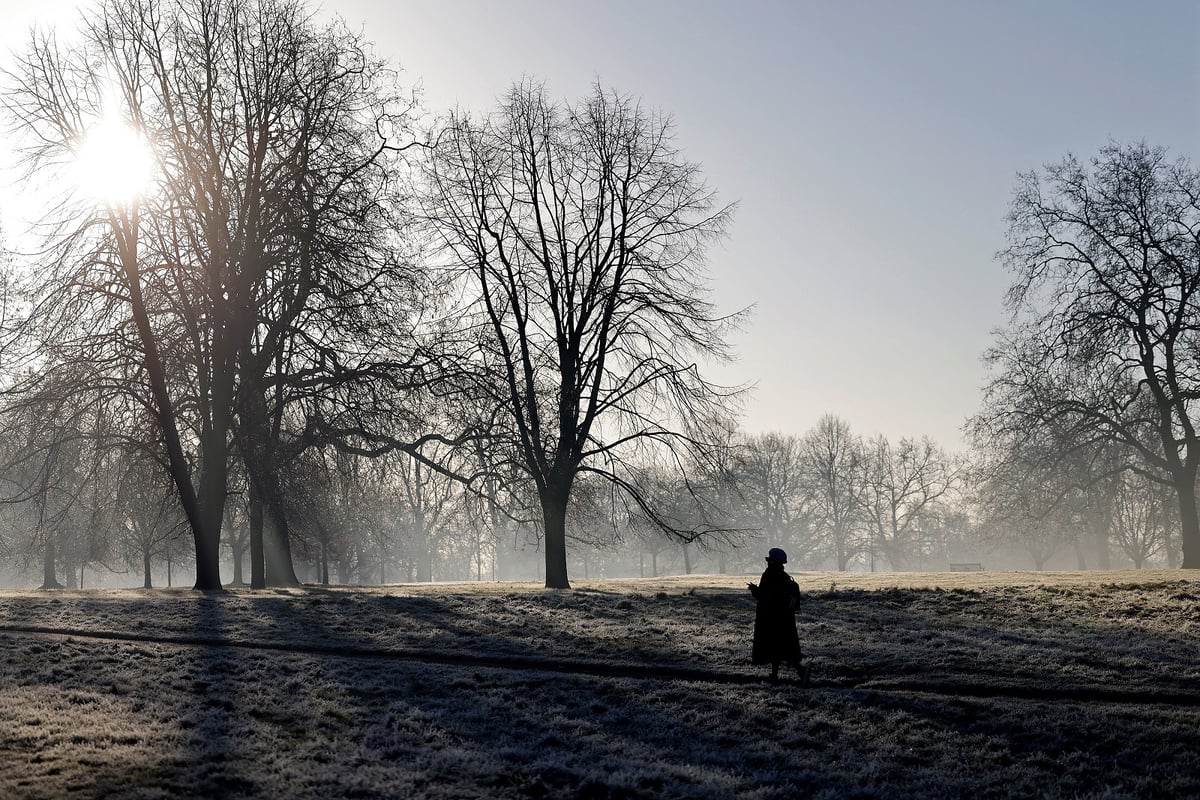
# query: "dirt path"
858 684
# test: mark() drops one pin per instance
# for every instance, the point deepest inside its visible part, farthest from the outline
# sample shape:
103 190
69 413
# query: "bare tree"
1142 513
1025 494
1107 259
266 233
835 466
335 497
148 514
903 486
578 232
777 496
427 502
49 456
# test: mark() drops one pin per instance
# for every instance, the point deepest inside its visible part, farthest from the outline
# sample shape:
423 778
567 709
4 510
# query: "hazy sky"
871 148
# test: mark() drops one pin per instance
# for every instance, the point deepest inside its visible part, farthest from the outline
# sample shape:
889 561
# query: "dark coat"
775 637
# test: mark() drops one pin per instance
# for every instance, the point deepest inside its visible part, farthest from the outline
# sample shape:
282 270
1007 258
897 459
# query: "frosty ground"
963 685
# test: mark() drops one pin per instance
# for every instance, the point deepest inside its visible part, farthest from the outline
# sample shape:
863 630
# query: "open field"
951 685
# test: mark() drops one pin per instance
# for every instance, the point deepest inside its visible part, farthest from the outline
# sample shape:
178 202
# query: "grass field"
949 685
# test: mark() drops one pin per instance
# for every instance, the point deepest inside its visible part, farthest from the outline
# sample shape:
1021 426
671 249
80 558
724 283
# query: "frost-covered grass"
962 685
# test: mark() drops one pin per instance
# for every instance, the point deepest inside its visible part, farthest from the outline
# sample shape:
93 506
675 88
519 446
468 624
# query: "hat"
777 555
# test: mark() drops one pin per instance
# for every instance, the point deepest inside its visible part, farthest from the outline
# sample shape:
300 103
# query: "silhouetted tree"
262 256
1107 347
581 231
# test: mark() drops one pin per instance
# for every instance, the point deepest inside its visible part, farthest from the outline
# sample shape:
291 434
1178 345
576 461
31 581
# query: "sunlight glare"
115 163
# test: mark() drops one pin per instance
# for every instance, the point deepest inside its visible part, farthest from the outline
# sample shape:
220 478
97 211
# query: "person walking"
775 638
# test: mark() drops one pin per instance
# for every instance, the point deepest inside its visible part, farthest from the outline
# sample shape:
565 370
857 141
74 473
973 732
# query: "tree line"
834 499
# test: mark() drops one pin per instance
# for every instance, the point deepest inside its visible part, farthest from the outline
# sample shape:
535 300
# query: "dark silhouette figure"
775 638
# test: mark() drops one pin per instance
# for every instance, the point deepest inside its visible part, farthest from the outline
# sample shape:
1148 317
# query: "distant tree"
1142 514
1107 292
1024 496
148 516
777 497
835 466
346 512
579 233
44 474
235 530
428 503
1083 465
903 485
676 501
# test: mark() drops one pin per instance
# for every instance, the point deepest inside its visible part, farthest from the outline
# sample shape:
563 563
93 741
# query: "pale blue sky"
871 146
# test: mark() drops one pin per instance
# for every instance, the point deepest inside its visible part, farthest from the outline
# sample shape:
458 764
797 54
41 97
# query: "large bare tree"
578 233
1106 343
266 237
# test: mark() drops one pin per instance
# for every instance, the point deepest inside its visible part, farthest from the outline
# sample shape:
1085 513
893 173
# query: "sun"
115 163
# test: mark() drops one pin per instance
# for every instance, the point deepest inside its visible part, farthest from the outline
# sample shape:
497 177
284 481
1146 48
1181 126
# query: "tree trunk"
254 515
208 564
499 524
213 493
324 562
1189 523
146 584
1080 557
238 548
1100 537
424 550
554 516
258 454
49 580
277 547
205 531
207 540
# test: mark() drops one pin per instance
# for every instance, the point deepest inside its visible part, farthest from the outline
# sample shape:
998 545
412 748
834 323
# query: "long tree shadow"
214 725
